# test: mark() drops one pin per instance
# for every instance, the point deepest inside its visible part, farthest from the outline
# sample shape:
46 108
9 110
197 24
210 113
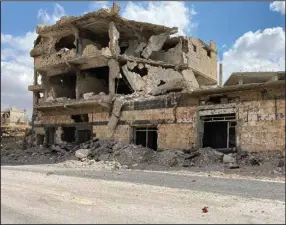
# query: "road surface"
41 194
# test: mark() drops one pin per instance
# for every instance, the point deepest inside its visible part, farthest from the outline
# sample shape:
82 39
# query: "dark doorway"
68 134
83 136
50 135
215 134
40 139
219 131
146 136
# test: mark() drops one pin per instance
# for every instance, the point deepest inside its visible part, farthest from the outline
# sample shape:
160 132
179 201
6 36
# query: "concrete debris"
140 48
88 95
233 165
173 85
156 42
82 153
281 163
229 158
131 65
113 120
174 55
191 80
113 37
140 66
134 79
133 44
99 153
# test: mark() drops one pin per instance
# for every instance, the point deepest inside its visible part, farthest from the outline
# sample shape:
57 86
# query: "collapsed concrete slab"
134 79
190 79
177 84
158 75
156 42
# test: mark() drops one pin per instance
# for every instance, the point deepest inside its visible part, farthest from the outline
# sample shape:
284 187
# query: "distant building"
13 116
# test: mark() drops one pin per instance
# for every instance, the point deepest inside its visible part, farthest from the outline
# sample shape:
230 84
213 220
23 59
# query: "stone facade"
104 76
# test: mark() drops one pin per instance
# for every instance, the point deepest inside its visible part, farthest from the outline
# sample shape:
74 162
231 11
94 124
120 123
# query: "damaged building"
14 123
100 75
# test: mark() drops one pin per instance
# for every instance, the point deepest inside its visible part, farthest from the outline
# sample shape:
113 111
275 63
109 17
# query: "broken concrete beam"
117 105
88 95
133 44
191 80
140 48
113 37
134 79
156 42
101 99
112 123
173 85
113 120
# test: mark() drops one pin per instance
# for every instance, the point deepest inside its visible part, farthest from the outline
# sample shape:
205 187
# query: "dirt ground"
63 200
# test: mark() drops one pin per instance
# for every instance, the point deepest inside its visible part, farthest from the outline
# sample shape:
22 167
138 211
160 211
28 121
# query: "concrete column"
78 76
35 77
36 97
220 75
114 72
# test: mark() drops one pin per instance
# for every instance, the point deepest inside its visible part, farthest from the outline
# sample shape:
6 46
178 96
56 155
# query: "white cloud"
50 19
15 78
17 65
95 5
256 51
16 70
21 43
278 6
171 14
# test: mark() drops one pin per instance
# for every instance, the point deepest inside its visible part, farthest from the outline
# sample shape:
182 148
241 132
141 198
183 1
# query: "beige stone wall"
149 114
176 136
200 61
262 125
39 130
57 119
121 133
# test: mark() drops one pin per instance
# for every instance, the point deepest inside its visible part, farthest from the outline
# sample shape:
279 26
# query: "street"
41 194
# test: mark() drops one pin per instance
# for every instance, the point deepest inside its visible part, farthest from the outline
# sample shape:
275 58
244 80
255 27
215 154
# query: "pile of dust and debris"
118 155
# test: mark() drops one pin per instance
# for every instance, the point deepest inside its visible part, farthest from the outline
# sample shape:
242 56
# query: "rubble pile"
116 155
13 131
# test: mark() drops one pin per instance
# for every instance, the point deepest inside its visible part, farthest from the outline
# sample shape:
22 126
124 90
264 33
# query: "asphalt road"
41 194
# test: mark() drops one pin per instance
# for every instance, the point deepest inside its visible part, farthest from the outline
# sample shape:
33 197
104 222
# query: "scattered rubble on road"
117 155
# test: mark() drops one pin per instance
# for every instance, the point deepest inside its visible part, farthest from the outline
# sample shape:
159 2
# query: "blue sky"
222 22
249 35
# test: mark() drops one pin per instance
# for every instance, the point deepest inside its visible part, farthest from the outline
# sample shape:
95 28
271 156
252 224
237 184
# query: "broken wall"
260 118
62 86
90 83
200 60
